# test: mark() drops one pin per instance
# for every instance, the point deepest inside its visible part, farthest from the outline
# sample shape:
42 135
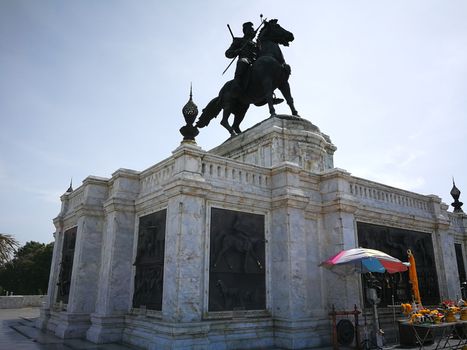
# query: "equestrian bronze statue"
261 69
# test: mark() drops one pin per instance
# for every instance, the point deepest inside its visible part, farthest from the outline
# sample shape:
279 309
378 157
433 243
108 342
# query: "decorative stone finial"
190 111
455 193
70 189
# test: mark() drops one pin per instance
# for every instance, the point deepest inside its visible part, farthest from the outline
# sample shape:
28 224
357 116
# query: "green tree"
28 272
8 245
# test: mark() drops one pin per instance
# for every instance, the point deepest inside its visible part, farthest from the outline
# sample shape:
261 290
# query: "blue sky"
88 87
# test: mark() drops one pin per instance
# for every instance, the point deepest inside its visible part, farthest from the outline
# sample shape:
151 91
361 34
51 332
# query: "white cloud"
402 157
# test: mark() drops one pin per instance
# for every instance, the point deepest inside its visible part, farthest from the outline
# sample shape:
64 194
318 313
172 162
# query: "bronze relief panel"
237 261
395 242
66 265
149 261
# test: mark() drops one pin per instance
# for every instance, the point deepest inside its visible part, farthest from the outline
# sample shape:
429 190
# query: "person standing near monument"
247 51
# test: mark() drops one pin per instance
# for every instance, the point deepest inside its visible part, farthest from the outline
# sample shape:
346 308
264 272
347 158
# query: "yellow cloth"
413 278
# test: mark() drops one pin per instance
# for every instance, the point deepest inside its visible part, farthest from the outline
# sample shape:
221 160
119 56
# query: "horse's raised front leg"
225 121
285 89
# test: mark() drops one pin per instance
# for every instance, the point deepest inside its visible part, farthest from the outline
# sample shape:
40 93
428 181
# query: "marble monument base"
217 334
105 329
72 325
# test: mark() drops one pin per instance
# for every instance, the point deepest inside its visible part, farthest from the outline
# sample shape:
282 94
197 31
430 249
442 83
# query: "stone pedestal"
230 241
280 139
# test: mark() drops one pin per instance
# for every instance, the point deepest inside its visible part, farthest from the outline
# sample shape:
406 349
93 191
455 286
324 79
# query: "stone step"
36 335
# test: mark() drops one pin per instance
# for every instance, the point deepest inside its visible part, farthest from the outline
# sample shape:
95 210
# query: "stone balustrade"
368 191
155 177
216 169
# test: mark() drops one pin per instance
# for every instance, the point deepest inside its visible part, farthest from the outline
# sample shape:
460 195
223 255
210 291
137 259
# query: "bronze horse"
268 72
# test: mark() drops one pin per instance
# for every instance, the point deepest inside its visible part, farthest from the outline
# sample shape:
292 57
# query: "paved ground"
17 332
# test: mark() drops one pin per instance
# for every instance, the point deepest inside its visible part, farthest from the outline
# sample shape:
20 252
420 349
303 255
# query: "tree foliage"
8 245
28 272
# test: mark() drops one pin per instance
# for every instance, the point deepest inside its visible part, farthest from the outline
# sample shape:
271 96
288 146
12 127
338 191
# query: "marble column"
86 263
115 277
43 320
443 246
289 259
338 232
185 238
184 259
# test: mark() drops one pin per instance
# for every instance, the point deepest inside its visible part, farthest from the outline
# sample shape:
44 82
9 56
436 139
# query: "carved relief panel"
236 268
395 242
149 261
66 265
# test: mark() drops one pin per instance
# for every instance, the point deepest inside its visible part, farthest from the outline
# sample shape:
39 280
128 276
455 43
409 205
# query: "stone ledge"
232 334
20 301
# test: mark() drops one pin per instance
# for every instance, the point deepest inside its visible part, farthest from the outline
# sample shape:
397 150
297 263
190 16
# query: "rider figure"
246 50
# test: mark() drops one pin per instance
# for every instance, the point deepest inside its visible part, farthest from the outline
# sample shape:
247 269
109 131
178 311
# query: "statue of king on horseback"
260 70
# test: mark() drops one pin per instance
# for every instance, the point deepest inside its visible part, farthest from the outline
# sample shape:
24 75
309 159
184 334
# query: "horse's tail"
209 112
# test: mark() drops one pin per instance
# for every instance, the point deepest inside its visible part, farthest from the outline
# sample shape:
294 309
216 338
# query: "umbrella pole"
378 336
366 340
373 298
394 314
